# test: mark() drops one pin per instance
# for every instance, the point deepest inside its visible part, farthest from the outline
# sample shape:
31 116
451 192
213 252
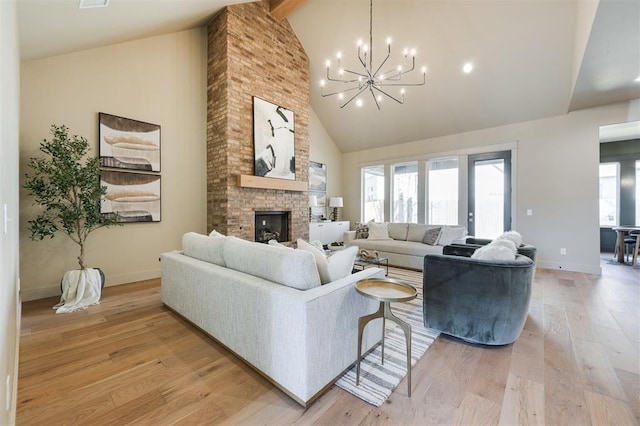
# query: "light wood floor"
131 361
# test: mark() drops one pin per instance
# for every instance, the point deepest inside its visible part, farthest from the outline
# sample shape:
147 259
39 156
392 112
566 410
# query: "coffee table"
362 262
385 290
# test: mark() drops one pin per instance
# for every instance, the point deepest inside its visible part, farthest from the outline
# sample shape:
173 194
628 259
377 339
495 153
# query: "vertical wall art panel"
273 140
129 144
318 188
317 176
134 197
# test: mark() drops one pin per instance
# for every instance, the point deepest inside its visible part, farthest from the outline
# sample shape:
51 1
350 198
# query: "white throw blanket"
80 288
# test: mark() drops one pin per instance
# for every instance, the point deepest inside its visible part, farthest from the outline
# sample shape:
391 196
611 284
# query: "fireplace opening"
272 226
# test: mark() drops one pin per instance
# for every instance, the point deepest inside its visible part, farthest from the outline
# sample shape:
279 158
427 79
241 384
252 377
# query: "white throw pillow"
512 236
498 249
449 234
216 234
378 231
506 244
276 243
334 267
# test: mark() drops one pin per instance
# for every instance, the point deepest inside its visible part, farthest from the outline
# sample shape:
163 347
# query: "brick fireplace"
251 53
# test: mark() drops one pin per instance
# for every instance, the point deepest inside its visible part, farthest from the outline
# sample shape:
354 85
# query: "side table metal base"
385 313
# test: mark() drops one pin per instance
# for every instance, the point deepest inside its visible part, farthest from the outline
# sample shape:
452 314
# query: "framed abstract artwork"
128 144
134 197
317 176
273 140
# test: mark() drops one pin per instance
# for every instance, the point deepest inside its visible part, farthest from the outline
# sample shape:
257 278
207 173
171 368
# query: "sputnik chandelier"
371 79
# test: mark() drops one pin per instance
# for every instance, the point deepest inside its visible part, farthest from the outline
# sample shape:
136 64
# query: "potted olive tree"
66 184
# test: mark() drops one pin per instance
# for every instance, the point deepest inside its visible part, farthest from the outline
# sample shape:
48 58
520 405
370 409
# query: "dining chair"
636 246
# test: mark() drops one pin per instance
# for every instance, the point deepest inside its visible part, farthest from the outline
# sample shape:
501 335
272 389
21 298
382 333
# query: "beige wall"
160 80
556 165
9 273
322 149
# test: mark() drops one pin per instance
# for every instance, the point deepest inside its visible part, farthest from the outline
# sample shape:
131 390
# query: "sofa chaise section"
300 340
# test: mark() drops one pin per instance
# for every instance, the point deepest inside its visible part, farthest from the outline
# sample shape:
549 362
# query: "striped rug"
377 381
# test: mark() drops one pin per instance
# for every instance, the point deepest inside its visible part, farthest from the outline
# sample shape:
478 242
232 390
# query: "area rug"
378 381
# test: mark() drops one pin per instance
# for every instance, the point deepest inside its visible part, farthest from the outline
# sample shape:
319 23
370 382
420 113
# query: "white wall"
322 149
161 80
557 177
9 272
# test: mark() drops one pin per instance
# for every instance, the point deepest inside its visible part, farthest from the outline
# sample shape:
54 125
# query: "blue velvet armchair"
478 301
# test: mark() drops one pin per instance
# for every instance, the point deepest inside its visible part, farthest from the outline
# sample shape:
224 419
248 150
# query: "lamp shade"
313 201
335 202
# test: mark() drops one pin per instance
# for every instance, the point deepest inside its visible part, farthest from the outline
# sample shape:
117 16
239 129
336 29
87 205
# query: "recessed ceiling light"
467 68
87 4
637 80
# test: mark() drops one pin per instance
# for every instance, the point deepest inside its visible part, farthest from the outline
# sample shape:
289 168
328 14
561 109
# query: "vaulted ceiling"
532 59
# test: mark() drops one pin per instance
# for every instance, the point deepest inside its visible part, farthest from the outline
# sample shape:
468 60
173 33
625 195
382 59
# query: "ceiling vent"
87 4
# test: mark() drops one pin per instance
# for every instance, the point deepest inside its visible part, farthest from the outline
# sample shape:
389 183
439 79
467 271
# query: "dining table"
621 231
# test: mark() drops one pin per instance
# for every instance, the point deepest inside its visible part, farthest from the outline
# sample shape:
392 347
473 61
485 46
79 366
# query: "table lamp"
313 202
336 203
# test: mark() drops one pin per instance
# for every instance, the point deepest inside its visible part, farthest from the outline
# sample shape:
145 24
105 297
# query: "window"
405 192
442 191
373 193
609 193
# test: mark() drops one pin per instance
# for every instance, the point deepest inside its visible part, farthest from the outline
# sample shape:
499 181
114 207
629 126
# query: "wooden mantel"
283 8
249 181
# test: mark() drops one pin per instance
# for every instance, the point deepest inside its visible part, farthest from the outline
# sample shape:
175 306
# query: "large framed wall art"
130 166
273 140
135 197
128 144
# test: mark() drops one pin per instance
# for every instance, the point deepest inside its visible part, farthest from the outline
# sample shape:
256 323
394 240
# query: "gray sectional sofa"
265 304
404 245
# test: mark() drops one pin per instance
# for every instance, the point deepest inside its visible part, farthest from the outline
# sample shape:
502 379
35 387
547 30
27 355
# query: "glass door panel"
489 194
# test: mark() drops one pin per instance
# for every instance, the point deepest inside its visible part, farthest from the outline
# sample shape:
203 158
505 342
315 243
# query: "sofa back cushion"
398 231
293 268
416 231
202 247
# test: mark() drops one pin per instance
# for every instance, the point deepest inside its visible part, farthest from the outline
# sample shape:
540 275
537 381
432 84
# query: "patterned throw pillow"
362 231
431 236
378 231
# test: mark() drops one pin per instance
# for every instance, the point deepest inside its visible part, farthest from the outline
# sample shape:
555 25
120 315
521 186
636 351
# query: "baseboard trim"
111 280
16 358
570 267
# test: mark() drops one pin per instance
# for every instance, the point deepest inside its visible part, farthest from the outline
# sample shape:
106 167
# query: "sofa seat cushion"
399 247
202 247
293 268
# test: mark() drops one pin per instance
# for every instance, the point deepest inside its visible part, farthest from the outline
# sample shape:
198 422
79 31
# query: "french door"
489 194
